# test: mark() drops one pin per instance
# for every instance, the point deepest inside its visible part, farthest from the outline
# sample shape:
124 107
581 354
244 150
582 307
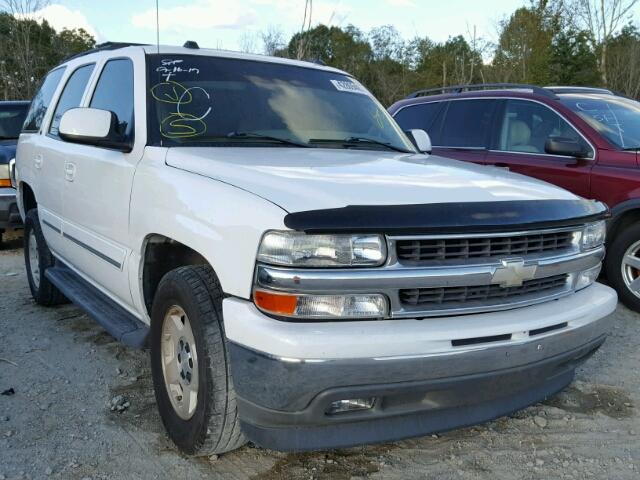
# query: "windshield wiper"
631 149
354 141
2 137
260 136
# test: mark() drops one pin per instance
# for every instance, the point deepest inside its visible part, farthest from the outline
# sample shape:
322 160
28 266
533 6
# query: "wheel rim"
34 260
631 268
179 362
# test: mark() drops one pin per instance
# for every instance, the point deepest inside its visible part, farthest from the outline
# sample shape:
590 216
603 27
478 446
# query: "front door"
98 185
524 128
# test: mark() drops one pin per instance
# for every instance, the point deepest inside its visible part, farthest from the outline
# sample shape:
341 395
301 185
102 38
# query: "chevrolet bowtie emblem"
512 272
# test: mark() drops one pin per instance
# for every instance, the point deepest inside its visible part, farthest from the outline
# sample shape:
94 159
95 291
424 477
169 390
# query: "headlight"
593 235
322 306
301 250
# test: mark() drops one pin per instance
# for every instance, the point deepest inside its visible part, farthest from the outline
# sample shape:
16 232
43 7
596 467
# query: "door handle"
69 171
37 161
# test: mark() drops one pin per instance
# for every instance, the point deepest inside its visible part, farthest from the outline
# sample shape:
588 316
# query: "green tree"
450 63
525 45
572 61
623 62
346 49
29 49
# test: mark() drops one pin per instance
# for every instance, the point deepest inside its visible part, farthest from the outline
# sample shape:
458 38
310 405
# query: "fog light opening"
351 405
587 277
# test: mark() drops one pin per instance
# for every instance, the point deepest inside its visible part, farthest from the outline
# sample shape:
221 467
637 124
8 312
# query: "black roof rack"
570 89
104 47
481 86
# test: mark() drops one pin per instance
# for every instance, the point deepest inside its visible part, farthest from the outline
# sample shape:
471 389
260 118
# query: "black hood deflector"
448 218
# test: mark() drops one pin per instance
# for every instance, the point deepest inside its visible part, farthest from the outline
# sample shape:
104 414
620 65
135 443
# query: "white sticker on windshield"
349 86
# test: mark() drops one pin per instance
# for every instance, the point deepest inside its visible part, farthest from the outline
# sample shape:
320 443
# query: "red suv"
586 140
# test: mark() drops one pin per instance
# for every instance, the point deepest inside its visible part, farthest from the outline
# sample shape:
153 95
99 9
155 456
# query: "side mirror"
565 146
91 126
420 139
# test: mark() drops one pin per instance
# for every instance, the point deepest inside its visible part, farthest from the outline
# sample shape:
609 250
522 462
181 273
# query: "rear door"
463 129
47 155
523 129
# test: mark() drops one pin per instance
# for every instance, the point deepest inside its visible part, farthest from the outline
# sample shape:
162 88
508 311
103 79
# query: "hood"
312 179
7 151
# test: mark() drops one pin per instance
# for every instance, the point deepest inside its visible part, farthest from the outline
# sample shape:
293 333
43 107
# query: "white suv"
303 276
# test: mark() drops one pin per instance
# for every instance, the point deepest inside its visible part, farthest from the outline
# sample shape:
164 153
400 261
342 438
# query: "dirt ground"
64 370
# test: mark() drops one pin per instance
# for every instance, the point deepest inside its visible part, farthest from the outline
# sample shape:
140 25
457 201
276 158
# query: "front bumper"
283 399
9 214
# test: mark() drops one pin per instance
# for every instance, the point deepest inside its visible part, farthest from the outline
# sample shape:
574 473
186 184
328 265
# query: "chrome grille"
424 250
453 297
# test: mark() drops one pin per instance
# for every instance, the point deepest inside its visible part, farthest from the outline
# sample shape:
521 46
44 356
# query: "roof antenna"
158 25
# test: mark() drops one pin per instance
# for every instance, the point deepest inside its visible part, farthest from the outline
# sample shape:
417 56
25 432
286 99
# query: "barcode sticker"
349 86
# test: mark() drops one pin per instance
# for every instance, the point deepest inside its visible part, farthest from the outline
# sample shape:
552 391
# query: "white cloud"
201 15
60 17
401 3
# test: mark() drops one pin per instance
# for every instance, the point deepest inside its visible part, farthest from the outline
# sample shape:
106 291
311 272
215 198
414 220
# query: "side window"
526 127
41 101
114 92
420 116
467 123
71 96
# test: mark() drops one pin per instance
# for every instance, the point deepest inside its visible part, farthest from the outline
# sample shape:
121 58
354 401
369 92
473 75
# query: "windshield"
617 118
11 120
212 101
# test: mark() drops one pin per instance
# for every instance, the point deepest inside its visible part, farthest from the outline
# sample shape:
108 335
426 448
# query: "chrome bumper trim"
392 278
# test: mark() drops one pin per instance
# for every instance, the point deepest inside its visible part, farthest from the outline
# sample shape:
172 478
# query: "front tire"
37 258
623 266
189 363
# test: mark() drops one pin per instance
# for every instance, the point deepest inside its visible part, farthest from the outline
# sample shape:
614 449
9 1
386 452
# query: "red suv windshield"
616 118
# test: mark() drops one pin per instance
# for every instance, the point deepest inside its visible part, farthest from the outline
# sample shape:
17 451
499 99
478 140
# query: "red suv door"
523 128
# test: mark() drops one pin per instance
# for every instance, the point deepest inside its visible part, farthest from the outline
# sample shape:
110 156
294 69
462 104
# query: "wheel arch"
161 254
26 199
623 215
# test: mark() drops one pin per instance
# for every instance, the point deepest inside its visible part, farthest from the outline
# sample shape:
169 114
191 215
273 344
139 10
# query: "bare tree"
272 40
247 42
306 26
602 18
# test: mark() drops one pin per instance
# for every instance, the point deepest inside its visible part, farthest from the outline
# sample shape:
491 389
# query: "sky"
236 24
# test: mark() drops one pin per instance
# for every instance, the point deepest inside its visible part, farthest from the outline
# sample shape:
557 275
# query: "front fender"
221 222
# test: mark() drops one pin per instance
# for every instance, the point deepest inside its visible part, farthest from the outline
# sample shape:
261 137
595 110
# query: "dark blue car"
12 116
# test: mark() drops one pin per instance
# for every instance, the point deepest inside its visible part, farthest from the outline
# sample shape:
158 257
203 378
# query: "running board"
114 319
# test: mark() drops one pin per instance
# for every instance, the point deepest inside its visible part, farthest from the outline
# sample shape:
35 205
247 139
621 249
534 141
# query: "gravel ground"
65 370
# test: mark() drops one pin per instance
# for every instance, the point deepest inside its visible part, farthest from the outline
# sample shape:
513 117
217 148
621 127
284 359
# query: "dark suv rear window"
11 119
421 115
467 124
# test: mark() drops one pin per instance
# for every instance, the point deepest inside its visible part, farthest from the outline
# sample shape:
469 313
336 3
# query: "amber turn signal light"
277 303
5 182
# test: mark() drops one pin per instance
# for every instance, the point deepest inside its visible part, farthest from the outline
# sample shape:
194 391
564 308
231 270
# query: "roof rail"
481 86
569 89
104 47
